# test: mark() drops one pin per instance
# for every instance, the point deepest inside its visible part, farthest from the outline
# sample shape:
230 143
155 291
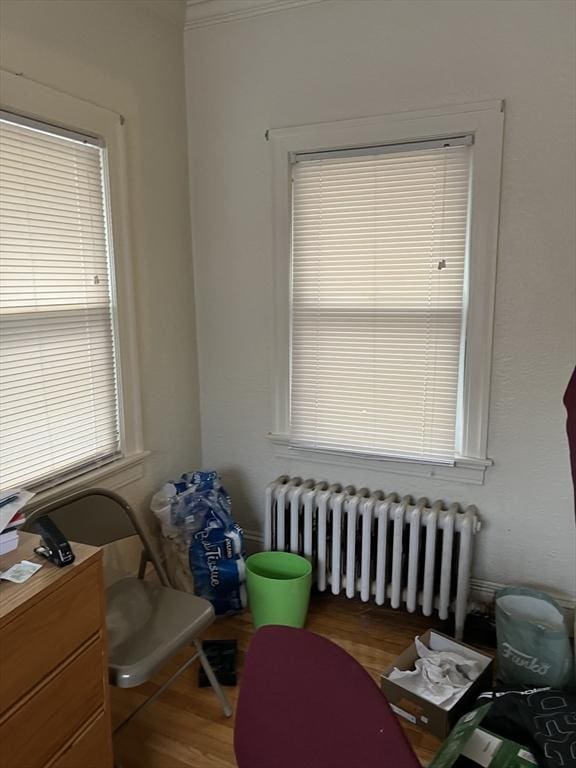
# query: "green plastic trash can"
278 588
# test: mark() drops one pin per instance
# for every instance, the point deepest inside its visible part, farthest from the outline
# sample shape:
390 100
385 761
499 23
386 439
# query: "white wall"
342 59
123 56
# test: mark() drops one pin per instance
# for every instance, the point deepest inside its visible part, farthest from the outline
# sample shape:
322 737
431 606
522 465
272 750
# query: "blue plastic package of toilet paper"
200 509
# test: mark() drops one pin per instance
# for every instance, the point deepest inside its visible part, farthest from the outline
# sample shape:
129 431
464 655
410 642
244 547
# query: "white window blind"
378 265
58 381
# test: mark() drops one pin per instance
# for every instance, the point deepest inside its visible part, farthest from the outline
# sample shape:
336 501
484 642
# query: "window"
70 412
378 256
58 377
388 270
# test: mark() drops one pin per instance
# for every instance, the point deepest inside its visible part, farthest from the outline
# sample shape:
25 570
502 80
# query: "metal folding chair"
147 623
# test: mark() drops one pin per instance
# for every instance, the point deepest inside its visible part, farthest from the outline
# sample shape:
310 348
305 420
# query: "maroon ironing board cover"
570 403
306 703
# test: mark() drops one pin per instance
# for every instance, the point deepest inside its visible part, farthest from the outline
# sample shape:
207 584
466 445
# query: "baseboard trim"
484 591
254 536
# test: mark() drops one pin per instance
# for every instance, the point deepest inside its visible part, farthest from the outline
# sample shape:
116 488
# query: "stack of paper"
11 517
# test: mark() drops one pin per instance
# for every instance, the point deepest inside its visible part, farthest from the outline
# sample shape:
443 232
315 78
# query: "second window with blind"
379 239
387 356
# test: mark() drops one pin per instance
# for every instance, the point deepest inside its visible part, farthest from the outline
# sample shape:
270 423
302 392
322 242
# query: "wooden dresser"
54 703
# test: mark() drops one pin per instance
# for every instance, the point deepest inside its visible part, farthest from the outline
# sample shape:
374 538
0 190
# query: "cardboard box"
469 745
418 710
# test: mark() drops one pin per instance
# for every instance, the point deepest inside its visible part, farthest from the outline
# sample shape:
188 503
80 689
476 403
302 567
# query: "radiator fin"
376 546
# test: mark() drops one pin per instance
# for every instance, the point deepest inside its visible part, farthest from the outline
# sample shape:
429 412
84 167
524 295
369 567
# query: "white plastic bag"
174 545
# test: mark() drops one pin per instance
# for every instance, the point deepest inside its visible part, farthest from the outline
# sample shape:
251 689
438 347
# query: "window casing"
340 405
97 285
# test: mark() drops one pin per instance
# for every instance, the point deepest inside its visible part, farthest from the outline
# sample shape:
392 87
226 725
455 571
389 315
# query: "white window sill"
464 470
113 476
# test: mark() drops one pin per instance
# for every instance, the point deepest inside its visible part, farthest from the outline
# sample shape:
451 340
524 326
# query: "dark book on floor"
222 657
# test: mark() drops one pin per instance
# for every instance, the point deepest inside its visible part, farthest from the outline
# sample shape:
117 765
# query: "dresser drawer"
34 732
88 749
37 640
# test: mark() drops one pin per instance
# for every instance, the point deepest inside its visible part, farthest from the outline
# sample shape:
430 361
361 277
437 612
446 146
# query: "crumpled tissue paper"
439 676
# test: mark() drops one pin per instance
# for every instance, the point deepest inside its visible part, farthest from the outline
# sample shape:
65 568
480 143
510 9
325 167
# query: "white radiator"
375 545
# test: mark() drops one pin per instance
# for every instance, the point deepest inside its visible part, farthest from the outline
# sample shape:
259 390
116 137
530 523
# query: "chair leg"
209 674
159 691
142 565
217 688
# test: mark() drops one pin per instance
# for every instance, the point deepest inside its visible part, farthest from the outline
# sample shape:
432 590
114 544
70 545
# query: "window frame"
483 120
33 100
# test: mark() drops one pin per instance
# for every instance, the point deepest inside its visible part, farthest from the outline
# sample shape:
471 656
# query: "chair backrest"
98 517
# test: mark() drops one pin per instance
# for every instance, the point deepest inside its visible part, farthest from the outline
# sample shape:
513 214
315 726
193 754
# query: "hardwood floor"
185 727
